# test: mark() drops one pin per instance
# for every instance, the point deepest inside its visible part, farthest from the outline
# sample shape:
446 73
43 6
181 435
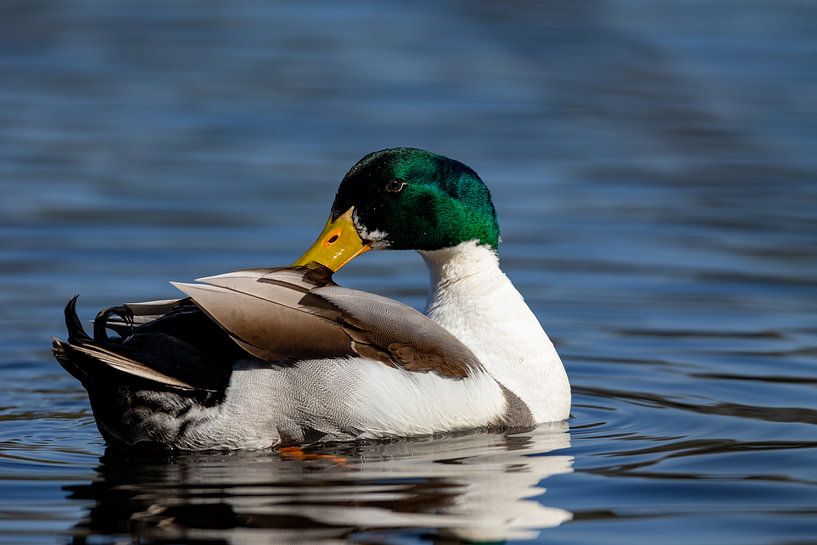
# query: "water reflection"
484 486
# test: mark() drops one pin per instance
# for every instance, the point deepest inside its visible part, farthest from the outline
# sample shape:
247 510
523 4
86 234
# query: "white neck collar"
460 262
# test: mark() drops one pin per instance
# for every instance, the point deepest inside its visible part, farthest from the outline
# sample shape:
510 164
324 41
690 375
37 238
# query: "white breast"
473 299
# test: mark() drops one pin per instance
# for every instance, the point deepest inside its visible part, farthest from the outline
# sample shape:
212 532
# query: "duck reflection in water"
480 487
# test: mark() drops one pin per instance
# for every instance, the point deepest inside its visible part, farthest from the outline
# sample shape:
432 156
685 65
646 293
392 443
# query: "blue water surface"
654 169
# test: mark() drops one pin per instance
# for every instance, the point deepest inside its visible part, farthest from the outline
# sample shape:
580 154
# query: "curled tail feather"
95 362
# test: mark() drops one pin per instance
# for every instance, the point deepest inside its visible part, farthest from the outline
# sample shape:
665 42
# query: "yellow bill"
337 245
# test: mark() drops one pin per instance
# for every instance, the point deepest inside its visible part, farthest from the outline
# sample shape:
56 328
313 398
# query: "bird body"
271 357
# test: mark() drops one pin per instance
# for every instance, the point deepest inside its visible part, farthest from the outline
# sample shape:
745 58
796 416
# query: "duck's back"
272 356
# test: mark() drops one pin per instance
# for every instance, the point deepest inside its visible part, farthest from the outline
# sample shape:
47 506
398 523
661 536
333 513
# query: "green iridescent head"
412 199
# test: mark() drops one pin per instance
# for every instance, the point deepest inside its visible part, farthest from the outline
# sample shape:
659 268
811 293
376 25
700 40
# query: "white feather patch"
377 237
473 299
395 402
346 399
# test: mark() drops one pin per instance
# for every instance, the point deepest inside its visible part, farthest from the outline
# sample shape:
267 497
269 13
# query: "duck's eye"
395 186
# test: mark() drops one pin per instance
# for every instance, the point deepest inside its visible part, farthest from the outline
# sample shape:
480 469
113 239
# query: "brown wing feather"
299 313
412 340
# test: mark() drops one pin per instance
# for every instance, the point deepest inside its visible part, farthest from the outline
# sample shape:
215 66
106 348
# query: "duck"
284 356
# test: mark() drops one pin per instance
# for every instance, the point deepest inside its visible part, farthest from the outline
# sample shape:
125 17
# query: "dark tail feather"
101 322
151 360
92 364
63 352
76 334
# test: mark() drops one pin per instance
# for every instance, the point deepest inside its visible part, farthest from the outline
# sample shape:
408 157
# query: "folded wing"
299 313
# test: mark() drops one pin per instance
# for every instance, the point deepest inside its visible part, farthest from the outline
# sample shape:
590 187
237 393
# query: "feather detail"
299 313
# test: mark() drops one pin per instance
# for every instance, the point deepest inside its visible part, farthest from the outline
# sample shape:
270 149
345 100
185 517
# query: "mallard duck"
284 356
